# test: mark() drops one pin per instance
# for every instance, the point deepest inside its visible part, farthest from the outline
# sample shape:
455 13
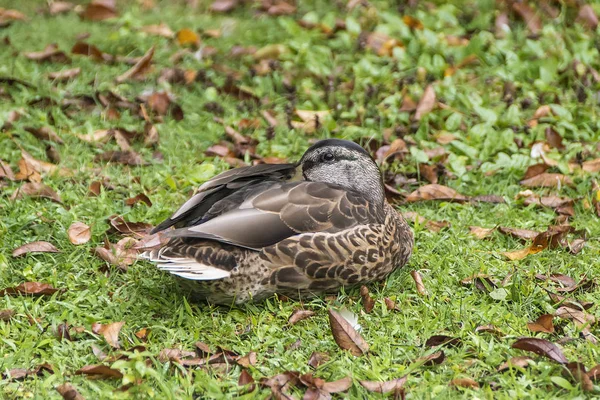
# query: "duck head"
346 164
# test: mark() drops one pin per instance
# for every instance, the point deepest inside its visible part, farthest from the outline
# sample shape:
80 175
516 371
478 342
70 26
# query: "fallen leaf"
51 53
79 233
435 192
489 329
6 171
391 304
99 371
35 247
6 314
311 120
187 37
140 198
442 340
161 29
110 332
142 334
521 362
248 360
479 232
546 179
529 16
44 133
64 75
587 17
381 44
426 104
524 234
33 288
542 324
578 372
7 16
224 6
367 300
384 387
534 170
246 379
69 392
62 331
345 335
139 69
129 157
433 226
60 7
128 228
581 319
467 383
418 283
317 358
554 139
280 384
99 10
299 315
542 347
89 50
594 373
281 8
432 359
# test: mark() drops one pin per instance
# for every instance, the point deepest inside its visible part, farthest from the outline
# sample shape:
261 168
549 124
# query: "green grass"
540 70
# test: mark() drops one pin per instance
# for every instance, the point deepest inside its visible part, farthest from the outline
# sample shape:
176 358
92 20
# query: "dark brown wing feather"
224 192
269 212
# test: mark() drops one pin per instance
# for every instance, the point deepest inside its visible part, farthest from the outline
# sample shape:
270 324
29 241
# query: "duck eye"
327 157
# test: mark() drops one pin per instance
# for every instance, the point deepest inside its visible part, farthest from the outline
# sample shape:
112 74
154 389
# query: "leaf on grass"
481 233
99 10
7 16
524 234
62 331
542 347
529 16
581 319
299 315
51 53
110 332
140 198
562 301
128 157
187 37
345 335
534 170
6 314
467 383
542 324
317 358
432 359
384 387
280 7
594 373
89 50
60 7
587 17
35 247
489 329
381 44
21 373
69 392
248 360
547 179
482 282
79 233
391 304
32 288
161 29
246 379
578 372
520 362
6 171
224 6
139 69
44 133
433 226
64 75
435 192
367 300
442 340
99 371
280 384
426 104
418 283
554 139
311 120
128 228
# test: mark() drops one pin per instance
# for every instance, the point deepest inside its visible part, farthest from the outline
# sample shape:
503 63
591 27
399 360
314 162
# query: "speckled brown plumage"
252 232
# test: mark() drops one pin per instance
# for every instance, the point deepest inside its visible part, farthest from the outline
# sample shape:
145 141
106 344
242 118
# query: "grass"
534 71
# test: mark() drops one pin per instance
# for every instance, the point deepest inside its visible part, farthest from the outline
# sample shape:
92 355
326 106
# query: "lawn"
468 95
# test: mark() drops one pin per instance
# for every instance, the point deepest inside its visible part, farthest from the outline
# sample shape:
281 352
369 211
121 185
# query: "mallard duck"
295 229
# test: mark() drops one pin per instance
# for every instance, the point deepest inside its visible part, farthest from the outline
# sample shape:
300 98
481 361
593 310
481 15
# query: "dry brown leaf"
6 171
89 50
384 387
554 139
60 7
99 371
382 44
161 29
432 359
299 315
32 288
578 372
529 16
433 226
248 360
317 358
129 157
64 75
582 320
345 335
6 314
35 247
442 340
368 302
281 8
546 179
524 234
542 324
479 232
591 166
418 283
426 104
44 133
587 17
99 10
79 233
51 53
110 332
140 198
246 379
464 383
435 192
391 304
7 16
139 69
521 362
489 329
534 170
542 347
69 392
224 6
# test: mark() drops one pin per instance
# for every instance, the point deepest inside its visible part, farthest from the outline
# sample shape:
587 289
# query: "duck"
298 229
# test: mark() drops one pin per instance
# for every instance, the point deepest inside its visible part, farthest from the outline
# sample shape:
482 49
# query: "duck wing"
225 189
268 212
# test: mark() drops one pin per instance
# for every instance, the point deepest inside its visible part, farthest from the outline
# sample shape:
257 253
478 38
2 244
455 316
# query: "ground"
490 86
